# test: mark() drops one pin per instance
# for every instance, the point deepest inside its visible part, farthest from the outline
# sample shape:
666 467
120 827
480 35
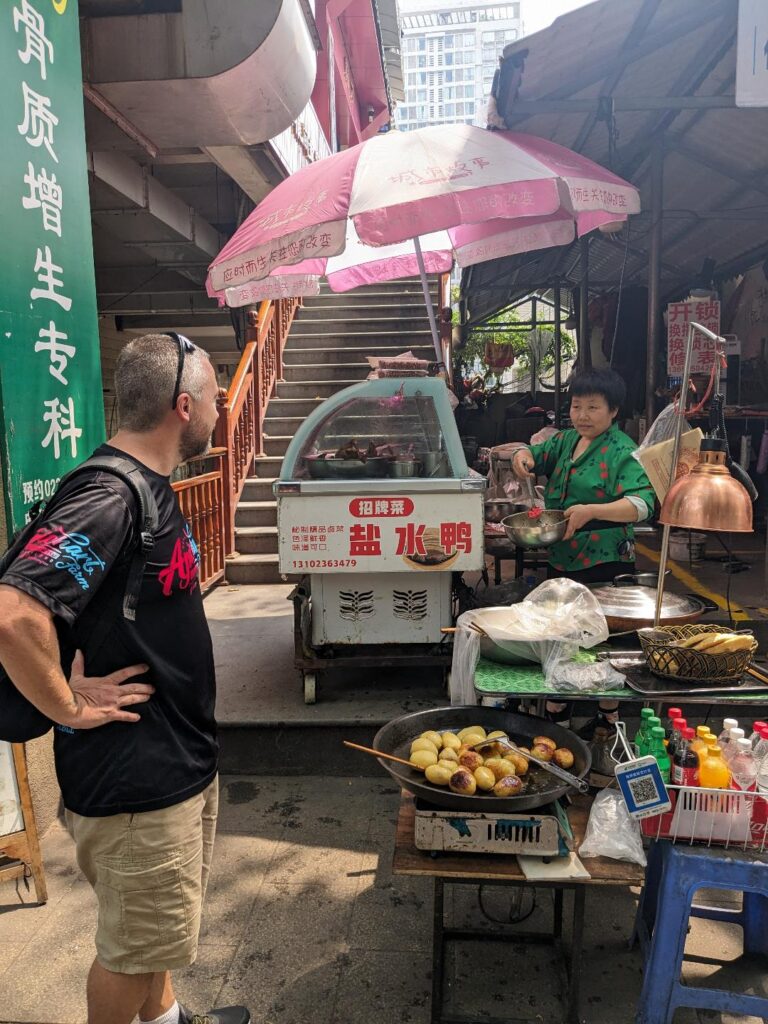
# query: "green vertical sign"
50 379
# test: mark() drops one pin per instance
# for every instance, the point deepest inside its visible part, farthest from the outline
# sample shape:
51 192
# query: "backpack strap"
146 522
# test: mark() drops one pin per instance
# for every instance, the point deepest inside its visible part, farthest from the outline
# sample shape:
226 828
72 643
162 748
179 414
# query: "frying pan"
541 788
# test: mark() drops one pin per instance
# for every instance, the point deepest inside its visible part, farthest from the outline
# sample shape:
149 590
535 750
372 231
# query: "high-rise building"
450 51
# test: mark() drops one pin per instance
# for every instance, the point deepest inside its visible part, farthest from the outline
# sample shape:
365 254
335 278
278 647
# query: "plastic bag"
594 677
662 428
547 627
502 483
611 831
544 435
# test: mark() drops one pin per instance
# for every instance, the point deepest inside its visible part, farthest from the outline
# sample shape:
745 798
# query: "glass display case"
396 429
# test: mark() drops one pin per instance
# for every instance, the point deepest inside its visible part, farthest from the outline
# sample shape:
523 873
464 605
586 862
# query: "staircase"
326 351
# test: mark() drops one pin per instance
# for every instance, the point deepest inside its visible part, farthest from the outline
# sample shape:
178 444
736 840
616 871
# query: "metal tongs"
581 784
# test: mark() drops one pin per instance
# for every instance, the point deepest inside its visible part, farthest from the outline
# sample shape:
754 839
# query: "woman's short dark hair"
599 382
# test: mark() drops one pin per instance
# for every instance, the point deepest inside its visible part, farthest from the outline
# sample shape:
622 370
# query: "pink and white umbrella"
408 202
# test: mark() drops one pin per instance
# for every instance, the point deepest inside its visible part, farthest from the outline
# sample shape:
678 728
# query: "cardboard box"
656 460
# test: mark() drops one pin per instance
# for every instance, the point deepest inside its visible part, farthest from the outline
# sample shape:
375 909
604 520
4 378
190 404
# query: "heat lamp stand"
428 299
679 420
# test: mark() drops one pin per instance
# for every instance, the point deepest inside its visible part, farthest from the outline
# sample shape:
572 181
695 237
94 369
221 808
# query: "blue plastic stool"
673 875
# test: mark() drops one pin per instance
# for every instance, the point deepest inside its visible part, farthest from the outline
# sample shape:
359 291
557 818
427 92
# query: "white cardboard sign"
381 533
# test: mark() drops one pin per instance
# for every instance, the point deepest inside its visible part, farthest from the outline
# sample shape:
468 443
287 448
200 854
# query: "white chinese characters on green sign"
50 380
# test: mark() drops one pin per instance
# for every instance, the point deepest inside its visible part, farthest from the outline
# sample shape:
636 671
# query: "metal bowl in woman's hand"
538 531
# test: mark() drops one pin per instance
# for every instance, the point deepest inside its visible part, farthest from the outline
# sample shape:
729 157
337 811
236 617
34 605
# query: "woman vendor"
591 475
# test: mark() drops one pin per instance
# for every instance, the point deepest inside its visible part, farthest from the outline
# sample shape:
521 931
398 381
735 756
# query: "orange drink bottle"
714 773
699 745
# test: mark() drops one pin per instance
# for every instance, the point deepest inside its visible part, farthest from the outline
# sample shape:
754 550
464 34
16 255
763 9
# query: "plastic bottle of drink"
699 745
672 714
729 748
743 766
676 735
728 724
755 737
760 750
685 766
642 736
659 751
714 773
761 758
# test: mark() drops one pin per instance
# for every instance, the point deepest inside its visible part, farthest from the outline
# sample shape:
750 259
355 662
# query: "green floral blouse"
605 472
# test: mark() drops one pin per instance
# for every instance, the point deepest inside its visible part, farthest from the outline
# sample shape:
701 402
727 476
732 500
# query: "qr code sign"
644 791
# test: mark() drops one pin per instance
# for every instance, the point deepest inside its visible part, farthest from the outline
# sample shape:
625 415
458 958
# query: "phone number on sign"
326 563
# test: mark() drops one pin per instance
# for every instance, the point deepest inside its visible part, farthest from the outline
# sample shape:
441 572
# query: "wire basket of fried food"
706 653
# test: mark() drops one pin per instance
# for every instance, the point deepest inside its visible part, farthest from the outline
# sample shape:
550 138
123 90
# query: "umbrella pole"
428 300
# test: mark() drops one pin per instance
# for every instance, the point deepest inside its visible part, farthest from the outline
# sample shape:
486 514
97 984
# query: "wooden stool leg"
30 827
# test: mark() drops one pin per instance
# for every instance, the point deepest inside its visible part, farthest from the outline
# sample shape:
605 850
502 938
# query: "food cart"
376 511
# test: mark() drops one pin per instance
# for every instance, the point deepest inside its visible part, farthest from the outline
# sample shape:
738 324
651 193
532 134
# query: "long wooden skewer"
387 757
449 630
757 673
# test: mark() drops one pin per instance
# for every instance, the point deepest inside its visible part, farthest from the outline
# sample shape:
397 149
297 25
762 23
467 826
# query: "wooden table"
496 869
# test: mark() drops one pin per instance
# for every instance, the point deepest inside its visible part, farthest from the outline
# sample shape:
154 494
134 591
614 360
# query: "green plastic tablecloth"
495 679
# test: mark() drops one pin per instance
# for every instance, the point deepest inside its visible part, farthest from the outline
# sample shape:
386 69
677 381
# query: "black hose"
738 472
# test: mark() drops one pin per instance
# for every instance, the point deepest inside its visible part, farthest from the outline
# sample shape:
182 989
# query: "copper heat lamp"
707 498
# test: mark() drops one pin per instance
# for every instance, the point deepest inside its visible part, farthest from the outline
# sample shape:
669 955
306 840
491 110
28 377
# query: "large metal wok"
541 788
627 605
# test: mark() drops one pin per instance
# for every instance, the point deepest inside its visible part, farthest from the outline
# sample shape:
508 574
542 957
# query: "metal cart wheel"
310 687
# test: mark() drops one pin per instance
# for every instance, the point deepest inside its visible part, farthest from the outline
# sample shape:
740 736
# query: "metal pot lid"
640 603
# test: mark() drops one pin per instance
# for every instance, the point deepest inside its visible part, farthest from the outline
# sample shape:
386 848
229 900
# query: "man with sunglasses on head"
135 736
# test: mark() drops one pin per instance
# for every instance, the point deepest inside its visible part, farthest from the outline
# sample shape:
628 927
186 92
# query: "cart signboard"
50 377
381 533
679 316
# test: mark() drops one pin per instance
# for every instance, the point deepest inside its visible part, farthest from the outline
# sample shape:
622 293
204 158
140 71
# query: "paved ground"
252 631
306 925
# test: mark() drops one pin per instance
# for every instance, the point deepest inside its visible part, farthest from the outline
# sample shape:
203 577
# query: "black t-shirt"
76 564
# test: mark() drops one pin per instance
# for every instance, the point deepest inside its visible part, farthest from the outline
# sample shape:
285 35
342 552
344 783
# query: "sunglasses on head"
185 346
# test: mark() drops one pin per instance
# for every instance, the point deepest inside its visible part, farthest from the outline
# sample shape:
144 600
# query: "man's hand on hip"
102 699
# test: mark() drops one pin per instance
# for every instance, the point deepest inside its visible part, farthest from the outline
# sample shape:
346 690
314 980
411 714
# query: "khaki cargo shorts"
150 872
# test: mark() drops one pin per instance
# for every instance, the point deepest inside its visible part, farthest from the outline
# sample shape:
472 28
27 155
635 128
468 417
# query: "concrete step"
326 371
255 514
367 344
268 466
276 425
258 489
326 309
383 324
277 445
360 333
317 389
256 540
253 569
296 354
293 406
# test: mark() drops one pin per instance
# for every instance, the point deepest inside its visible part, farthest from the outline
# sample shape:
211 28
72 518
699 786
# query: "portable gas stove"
544 832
